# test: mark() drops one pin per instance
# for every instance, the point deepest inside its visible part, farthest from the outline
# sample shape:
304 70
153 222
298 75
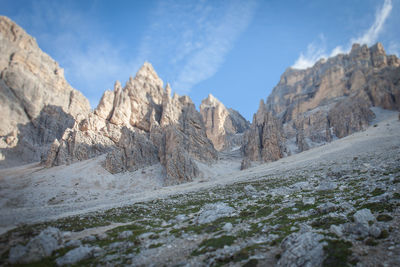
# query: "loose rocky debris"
337 213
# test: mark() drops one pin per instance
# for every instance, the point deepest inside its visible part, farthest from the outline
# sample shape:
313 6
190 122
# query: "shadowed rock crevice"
31 141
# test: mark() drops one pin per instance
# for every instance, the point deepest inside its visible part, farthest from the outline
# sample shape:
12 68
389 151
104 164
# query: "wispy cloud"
193 38
394 48
371 35
317 50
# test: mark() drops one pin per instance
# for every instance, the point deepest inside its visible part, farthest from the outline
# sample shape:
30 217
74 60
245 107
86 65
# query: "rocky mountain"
224 127
37 103
137 125
330 100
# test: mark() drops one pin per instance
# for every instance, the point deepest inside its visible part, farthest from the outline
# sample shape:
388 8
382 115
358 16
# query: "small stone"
363 216
73 243
214 211
125 234
308 200
374 231
75 255
228 227
89 238
337 230
326 185
180 217
102 236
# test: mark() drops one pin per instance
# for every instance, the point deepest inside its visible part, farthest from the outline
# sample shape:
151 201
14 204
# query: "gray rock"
327 185
17 254
38 247
211 212
302 249
363 216
337 229
301 186
125 234
250 190
374 231
76 255
102 236
308 200
327 207
227 227
73 243
180 217
89 238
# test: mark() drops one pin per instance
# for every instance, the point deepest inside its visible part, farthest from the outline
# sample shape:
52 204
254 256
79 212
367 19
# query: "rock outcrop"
332 98
224 127
137 126
265 139
30 82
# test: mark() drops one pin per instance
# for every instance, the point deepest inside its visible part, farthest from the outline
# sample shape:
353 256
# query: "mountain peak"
210 101
147 71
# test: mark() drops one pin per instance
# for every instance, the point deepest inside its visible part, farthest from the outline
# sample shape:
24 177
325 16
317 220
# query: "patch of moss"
326 222
251 263
338 253
377 192
370 242
384 218
384 234
214 244
378 206
156 245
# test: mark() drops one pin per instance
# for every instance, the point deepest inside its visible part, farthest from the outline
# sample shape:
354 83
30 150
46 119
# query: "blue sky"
236 50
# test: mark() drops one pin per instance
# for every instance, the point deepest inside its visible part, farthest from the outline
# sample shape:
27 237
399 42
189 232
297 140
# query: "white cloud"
193 38
371 35
317 51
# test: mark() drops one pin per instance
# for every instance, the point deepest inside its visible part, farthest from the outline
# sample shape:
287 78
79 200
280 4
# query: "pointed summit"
147 70
210 101
147 74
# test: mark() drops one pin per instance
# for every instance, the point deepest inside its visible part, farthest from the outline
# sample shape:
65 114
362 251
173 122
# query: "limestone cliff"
224 127
332 98
265 139
32 90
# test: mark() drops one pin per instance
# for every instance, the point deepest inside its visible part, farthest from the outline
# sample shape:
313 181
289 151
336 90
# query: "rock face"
33 89
330 100
265 140
224 127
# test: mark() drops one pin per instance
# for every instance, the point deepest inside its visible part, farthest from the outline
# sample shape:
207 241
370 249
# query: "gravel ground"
339 201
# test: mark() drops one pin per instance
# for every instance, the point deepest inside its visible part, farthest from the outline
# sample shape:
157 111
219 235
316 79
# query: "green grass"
214 244
338 253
